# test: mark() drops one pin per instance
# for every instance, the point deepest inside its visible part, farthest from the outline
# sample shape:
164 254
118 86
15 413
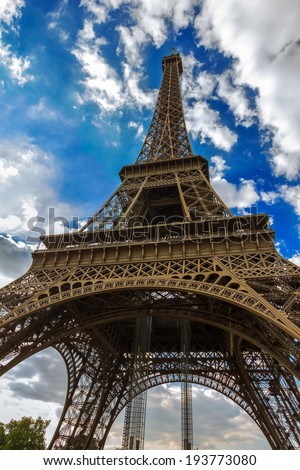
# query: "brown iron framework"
164 251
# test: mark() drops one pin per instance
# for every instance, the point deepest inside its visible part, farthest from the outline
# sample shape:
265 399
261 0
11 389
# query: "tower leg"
186 390
275 396
135 413
97 383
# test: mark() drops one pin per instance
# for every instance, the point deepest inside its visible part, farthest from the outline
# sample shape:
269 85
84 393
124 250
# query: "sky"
78 85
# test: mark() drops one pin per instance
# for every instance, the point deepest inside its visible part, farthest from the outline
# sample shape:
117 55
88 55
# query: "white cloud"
150 25
235 96
6 171
55 21
99 11
197 84
263 37
42 110
218 167
10 10
10 223
241 196
30 176
204 123
291 195
35 388
152 16
295 259
16 66
132 39
101 82
149 20
280 245
135 95
269 197
5 279
139 129
15 259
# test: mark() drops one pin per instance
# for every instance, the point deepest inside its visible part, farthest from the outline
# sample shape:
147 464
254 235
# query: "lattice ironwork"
135 413
186 389
165 250
167 136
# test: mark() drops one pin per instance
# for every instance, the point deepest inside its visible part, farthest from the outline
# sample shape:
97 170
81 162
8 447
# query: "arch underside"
275 301
243 356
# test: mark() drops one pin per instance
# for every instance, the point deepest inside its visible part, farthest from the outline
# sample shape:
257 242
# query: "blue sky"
78 84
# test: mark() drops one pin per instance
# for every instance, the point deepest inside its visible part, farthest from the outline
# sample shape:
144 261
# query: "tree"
2 435
23 434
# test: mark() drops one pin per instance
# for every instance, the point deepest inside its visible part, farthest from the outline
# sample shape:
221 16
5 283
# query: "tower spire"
167 183
167 137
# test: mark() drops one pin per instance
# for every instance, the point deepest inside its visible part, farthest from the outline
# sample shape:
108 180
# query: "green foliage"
2 435
23 434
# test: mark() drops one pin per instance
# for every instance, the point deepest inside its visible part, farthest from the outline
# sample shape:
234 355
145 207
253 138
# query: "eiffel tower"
163 284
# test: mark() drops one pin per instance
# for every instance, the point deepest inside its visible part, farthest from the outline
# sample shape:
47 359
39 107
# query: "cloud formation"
17 66
103 85
37 387
15 258
263 39
241 196
10 9
29 181
218 422
296 259
42 377
234 94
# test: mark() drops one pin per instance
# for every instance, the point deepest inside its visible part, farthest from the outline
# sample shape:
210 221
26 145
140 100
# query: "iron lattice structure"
163 251
135 413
